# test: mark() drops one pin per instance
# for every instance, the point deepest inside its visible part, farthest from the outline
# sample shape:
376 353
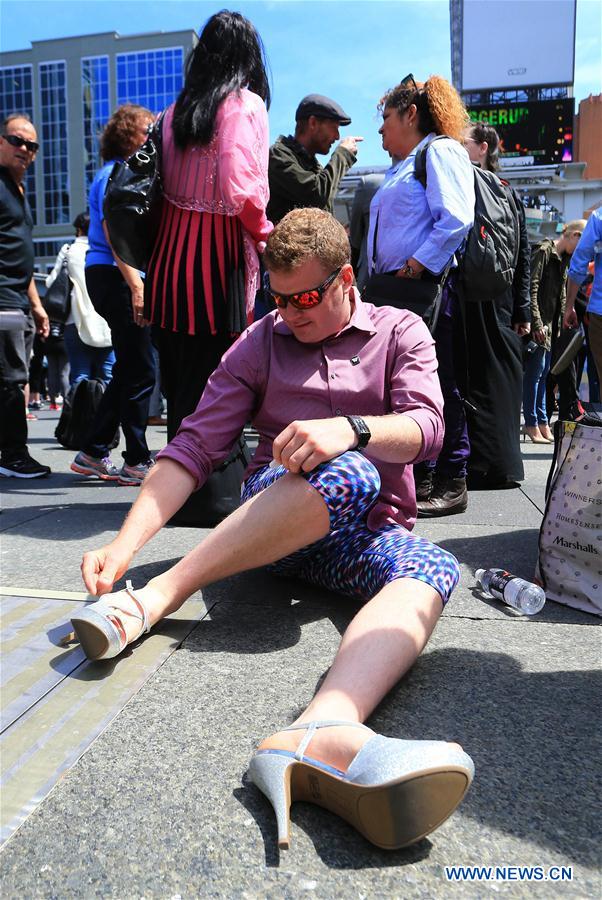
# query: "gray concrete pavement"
159 806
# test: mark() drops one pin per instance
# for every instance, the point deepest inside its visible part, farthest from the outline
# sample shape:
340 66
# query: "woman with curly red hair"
117 294
415 230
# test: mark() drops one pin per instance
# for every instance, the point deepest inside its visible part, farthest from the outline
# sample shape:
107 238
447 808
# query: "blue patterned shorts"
351 559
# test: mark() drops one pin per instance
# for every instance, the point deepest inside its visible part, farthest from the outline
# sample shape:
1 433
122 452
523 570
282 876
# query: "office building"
69 87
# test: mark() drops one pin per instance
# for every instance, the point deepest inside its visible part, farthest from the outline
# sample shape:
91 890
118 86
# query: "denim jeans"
125 401
537 366
85 361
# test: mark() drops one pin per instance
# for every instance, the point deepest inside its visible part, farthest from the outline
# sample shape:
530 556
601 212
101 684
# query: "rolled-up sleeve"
415 389
206 437
450 197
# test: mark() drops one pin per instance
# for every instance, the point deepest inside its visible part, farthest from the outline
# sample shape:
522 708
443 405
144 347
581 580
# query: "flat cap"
322 108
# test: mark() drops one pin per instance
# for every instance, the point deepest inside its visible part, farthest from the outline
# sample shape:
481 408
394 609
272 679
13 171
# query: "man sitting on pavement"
345 397
18 296
296 177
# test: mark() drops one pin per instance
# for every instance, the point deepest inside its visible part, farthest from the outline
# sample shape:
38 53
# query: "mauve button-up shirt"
382 362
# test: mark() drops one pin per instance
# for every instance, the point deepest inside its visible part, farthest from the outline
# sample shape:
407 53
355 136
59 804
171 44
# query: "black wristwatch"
361 429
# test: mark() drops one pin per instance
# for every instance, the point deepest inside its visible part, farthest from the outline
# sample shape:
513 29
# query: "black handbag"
132 203
420 295
219 496
57 299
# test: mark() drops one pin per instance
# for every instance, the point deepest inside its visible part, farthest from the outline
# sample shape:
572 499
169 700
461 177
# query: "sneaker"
135 475
23 467
91 465
35 404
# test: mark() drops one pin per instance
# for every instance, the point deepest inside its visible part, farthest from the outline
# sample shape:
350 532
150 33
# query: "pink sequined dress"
203 273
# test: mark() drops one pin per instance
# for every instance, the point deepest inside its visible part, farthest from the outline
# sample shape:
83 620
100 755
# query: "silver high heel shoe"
99 628
394 792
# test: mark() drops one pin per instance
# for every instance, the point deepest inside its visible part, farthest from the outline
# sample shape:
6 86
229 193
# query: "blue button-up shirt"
590 248
428 225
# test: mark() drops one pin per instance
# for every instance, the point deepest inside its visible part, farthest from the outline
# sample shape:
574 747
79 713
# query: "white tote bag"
569 566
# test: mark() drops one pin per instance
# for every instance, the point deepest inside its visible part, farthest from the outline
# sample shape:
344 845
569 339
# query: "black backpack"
487 262
79 409
57 299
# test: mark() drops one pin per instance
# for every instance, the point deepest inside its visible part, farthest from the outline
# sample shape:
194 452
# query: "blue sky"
351 50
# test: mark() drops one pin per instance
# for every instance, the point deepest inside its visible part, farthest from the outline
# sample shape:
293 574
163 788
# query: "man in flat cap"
296 177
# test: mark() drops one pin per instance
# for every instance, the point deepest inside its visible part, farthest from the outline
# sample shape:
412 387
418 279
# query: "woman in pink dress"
203 274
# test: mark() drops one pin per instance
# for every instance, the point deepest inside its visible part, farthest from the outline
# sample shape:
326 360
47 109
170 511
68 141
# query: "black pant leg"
126 399
13 378
187 362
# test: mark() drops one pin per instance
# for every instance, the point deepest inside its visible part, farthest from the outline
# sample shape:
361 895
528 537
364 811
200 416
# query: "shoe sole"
392 815
82 470
93 641
131 483
437 513
8 473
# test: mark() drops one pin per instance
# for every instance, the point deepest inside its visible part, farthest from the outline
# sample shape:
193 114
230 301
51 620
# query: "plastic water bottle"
524 596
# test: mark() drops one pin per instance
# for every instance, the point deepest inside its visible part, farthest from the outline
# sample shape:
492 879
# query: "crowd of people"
365 419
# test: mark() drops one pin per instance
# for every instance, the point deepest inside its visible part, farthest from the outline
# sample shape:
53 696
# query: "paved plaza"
159 805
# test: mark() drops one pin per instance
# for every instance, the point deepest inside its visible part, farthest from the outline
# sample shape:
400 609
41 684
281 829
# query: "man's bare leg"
381 643
288 515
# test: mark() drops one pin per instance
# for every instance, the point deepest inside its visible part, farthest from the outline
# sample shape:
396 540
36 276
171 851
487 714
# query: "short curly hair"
305 234
440 107
118 139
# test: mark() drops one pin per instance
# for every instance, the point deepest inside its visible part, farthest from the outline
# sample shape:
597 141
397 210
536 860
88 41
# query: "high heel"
101 632
533 432
546 433
394 792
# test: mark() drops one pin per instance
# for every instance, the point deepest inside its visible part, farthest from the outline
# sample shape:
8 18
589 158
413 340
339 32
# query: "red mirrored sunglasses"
304 299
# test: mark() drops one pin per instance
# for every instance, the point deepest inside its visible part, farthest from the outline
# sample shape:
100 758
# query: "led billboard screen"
538 133
517 43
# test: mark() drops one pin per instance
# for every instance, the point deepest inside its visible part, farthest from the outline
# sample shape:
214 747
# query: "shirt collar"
413 152
360 320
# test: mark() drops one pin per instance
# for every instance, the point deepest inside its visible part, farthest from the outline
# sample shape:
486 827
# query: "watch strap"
361 429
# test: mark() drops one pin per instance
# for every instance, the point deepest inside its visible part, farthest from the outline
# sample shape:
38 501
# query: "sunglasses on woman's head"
304 299
16 141
408 82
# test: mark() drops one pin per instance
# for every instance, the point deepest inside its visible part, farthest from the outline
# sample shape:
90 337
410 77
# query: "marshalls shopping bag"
570 540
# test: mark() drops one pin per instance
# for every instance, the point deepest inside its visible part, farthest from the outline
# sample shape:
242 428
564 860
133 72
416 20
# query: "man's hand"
40 317
350 143
102 568
570 318
522 328
304 445
539 336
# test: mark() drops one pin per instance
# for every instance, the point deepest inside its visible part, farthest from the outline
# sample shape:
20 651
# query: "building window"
53 105
152 78
96 111
16 95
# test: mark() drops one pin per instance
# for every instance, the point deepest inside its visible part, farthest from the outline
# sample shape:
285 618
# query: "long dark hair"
229 56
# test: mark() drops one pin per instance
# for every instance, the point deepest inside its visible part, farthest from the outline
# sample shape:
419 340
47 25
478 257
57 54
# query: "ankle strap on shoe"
144 616
312 727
